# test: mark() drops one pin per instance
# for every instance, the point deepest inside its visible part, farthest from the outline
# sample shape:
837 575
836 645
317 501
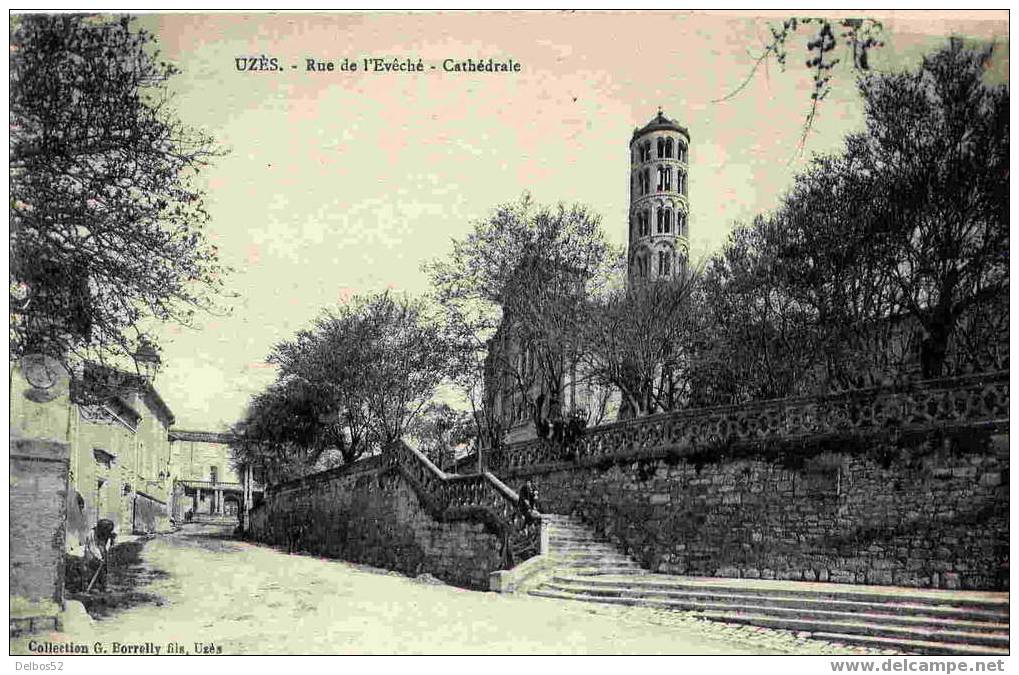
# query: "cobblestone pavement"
240 598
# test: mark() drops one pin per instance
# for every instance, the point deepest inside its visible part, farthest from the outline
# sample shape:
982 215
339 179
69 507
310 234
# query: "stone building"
657 248
116 426
205 483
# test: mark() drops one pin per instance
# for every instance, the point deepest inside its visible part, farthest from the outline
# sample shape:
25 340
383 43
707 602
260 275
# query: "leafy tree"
354 383
287 429
887 260
515 291
936 156
753 339
105 213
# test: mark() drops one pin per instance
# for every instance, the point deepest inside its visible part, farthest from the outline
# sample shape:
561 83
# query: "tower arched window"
668 178
668 148
680 152
645 151
681 223
644 178
645 223
667 220
660 215
664 264
661 148
681 183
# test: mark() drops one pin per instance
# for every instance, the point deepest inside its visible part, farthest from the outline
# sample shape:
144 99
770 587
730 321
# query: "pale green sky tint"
338 183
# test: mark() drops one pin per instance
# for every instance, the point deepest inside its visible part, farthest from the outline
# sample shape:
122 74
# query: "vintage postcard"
510 333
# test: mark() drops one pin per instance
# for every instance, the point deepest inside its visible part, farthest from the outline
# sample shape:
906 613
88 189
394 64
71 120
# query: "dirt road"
238 598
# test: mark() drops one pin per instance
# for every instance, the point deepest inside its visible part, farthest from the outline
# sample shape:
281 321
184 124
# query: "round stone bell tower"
658 243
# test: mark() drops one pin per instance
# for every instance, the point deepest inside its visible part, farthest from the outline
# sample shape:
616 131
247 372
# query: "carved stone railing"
967 401
480 497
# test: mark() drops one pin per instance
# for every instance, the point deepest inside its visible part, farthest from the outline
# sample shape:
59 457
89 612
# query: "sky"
338 183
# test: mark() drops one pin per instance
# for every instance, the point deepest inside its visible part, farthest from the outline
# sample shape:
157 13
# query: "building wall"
149 515
38 499
126 455
192 460
928 512
376 518
140 464
48 420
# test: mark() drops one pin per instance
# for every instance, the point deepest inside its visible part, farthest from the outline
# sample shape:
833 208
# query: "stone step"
587 555
828 610
956 637
964 640
559 541
577 532
912 646
595 555
996 603
607 566
639 589
586 545
635 570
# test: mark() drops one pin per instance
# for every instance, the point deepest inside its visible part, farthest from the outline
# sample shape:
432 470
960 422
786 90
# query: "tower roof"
659 123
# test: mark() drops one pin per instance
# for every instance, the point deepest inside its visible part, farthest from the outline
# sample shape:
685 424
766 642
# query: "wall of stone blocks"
921 513
38 503
377 519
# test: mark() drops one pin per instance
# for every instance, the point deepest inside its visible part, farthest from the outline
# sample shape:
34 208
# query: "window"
645 151
681 223
681 183
645 181
661 148
663 264
668 148
103 458
668 178
660 215
668 220
644 222
642 266
680 152
661 178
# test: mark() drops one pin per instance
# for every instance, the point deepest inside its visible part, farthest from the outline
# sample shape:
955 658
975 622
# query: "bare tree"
636 340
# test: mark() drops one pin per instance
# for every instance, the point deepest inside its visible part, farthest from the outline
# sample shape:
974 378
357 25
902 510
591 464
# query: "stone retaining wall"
367 514
930 511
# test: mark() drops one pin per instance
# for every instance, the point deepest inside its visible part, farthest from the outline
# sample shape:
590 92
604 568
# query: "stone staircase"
574 548
902 619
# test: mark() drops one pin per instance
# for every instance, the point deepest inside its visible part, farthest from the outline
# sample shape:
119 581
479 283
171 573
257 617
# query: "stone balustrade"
915 407
454 497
